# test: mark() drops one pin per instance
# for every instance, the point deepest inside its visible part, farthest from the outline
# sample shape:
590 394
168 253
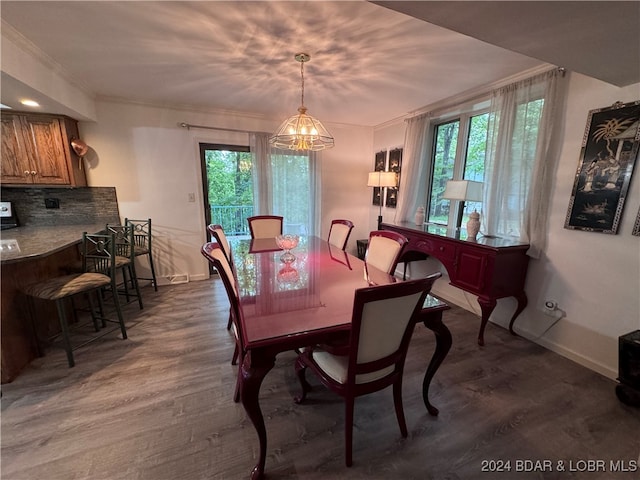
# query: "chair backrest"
265 226
382 323
99 253
339 232
141 234
384 249
124 239
217 233
213 252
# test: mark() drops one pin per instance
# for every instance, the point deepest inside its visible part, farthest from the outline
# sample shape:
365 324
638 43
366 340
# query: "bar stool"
125 260
99 272
142 239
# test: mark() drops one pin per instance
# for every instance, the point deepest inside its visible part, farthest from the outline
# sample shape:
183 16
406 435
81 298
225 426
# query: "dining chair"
213 252
99 272
125 260
217 233
382 323
384 250
142 238
339 232
265 226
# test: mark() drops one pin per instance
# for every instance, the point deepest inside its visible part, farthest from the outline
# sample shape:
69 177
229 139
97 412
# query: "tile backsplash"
77 205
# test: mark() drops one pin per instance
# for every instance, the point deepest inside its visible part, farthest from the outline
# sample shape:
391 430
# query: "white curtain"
525 124
261 174
287 183
417 170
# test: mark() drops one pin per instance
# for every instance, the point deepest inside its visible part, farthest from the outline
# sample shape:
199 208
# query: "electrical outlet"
192 197
51 203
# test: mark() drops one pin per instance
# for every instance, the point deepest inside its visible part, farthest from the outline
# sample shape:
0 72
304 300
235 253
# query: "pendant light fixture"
302 131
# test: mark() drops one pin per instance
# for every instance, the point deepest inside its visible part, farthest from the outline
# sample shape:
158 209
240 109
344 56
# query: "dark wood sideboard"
488 267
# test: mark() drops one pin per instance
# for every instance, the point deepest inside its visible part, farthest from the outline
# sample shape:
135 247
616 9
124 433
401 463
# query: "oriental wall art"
379 166
607 158
395 165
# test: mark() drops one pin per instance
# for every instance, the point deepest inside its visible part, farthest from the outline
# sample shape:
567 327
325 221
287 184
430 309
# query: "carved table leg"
522 303
443 344
253 372
486 305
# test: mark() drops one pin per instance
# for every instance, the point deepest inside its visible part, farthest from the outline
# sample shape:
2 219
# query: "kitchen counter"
28 243
32 254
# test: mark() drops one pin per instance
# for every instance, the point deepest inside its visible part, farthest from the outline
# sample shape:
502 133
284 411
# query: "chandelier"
302 131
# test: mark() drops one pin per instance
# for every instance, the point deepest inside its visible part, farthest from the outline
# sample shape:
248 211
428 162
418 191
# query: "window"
227 186
458 153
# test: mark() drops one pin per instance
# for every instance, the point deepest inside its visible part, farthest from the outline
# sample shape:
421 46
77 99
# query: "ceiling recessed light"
3 106
29 103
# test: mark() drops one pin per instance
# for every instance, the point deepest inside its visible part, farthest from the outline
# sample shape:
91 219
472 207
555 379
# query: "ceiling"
369 64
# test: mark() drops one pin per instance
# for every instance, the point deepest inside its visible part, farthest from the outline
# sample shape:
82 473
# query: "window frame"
463 116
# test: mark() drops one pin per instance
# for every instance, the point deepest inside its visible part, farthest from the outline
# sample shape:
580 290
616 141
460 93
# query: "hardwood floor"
159 406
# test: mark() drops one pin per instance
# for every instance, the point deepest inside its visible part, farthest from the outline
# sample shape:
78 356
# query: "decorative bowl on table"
287 242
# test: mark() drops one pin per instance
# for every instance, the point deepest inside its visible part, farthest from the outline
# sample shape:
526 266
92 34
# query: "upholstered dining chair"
125 260
265 226
142 237
384 250
382 323
217 233
213 252
99 272
339 232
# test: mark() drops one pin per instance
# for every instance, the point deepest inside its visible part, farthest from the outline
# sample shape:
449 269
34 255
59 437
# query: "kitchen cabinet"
36 150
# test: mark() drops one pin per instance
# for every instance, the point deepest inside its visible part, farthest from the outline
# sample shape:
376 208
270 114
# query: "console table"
490 268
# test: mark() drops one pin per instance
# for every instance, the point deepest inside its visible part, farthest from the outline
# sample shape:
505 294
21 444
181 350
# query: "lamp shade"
382 179
463 190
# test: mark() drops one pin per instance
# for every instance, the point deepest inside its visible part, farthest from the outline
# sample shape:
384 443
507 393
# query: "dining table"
292 304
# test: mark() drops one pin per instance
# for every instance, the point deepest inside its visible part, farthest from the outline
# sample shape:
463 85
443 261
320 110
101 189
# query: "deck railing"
233 218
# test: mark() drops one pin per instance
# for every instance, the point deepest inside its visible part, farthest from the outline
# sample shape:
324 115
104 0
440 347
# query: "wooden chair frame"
346 223
397 237
416 290
259 219
214 252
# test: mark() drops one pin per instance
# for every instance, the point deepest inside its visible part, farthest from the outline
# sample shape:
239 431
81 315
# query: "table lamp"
382 179
465 191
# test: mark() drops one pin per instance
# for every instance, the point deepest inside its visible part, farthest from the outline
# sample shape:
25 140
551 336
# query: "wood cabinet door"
15 166
49 158
471 270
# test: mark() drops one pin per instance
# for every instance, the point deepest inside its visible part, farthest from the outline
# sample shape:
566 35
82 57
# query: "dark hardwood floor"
159 406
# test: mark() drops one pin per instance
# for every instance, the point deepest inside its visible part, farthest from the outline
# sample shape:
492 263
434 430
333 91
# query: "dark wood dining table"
287 306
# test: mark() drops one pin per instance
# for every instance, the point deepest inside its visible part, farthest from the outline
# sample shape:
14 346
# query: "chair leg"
99 295
116 302
236 393
348 431
125 284
92 312
153 271
397 400
134 281
65 331
230 319
301 369
235 354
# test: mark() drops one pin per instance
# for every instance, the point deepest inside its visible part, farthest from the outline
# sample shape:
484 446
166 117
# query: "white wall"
154 165
594 277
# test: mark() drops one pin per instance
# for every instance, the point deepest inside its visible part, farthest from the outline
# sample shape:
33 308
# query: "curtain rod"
189 126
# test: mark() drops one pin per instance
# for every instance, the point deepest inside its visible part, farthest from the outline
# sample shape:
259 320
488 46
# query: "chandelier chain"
302 83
